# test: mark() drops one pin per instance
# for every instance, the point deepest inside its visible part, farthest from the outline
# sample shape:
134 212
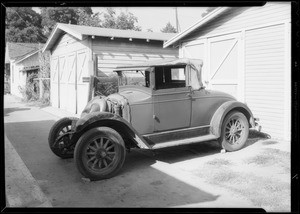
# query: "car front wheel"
100 153
235 131
61 127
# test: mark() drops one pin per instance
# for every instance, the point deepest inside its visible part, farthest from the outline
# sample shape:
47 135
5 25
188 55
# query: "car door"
171 99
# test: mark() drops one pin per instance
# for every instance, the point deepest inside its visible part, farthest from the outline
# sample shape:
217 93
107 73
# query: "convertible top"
194 80
162 62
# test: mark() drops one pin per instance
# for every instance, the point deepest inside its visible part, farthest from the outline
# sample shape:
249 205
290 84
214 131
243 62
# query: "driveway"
197 175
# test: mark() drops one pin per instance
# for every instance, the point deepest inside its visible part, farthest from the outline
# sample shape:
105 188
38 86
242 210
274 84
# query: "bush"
106 85
30 91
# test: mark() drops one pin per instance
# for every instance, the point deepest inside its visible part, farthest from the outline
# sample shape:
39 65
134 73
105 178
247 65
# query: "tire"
100 153
235 131
61 126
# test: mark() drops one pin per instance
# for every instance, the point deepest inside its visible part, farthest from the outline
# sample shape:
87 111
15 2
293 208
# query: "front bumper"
256 124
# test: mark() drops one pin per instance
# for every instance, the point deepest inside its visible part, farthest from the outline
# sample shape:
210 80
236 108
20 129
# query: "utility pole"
177 22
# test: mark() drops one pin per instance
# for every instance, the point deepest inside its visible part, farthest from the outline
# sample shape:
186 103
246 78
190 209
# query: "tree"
207 11
87 18
52 15
23 25
125 21
169 28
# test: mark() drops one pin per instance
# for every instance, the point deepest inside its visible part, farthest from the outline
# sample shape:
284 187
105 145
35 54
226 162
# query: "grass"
262 178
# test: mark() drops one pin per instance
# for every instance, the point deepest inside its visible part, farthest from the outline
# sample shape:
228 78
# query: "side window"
169 77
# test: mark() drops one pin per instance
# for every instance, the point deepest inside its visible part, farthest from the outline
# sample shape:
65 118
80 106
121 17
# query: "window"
140 78
169 77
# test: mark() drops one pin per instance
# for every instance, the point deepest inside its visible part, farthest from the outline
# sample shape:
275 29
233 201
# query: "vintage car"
159 104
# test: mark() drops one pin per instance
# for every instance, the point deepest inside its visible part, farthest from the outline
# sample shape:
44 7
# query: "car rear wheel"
61 127
235 131
100 153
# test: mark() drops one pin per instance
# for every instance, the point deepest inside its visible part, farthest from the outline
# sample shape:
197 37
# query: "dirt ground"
260 172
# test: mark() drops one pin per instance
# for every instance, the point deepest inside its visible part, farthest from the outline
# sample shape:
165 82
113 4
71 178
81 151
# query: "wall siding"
238 18
264 75
112 53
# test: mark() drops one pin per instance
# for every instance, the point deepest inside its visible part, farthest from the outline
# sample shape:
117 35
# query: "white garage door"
54 82
82 84
224 56
69 87
67 82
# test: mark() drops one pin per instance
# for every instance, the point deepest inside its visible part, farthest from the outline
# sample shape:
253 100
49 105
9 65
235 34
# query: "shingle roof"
18 50
79 31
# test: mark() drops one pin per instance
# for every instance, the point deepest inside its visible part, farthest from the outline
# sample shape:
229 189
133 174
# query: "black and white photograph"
148 106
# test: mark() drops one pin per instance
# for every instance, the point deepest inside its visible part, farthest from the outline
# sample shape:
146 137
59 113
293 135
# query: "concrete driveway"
187 176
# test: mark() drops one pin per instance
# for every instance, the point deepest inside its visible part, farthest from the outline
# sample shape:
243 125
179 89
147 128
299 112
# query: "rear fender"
223 110
125 129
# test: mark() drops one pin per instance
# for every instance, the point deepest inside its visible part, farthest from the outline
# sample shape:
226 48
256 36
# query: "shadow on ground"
138 184
7 111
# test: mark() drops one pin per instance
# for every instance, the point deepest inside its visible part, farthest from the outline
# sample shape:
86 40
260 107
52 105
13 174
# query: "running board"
184 141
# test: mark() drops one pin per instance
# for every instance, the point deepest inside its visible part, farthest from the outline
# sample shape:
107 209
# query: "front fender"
223 110
96 119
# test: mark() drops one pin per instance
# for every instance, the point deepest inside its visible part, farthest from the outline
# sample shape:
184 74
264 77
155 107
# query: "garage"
246 53
77 52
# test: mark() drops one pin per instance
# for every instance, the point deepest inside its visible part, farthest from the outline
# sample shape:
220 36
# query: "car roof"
163 62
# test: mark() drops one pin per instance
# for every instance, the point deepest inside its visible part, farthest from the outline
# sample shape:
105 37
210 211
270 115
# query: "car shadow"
255 136
184 152
138 184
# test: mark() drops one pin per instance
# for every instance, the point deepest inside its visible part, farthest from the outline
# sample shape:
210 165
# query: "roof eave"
55 33
29 55
198 24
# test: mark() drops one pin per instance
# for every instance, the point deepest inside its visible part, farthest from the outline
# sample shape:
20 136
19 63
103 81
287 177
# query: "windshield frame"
146 69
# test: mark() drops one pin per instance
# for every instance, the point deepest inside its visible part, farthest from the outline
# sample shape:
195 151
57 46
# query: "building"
21 59
77 52
246 52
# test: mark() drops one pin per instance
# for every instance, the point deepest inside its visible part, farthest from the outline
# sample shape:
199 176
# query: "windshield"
140 78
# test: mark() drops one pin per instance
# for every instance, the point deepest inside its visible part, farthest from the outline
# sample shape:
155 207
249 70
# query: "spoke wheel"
60 128
100 153
235 131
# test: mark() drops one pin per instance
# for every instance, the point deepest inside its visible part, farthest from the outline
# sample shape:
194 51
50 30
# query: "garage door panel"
54 82
230 89
223 73
71 103
229 68
218 51
82 87
63 95
82 66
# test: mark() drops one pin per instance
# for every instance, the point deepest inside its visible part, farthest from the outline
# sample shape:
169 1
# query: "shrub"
106 85
30 91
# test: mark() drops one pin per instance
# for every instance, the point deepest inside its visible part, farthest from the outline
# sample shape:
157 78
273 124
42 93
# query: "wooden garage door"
224 63
82 84
54 82
67 82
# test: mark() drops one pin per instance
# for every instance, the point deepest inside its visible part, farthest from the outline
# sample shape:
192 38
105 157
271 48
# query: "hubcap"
65 140
234 130
100 153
